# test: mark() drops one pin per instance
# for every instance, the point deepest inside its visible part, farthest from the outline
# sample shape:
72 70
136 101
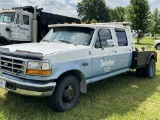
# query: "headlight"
39 68
34 65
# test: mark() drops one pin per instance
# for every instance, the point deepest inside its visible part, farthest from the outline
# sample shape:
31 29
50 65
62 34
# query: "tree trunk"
155 36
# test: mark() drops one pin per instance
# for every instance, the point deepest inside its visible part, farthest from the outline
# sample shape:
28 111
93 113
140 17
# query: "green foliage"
155 22
93 9
138 12
93 21
118 14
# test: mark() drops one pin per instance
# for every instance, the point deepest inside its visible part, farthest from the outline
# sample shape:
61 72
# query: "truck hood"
4 24
43 47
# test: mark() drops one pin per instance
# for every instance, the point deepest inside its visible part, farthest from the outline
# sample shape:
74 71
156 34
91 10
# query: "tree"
117 14
155 22
138 12
93 9
93 21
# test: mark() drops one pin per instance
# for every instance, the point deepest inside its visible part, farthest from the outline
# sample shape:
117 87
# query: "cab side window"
121 37
103 35
26 20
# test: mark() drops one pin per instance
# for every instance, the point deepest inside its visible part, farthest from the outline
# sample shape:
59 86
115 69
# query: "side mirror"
110 43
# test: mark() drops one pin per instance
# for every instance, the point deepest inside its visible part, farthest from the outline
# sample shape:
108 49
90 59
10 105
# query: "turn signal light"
83 23
39 72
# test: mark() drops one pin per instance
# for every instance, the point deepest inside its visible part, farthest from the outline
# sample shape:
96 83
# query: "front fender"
67 68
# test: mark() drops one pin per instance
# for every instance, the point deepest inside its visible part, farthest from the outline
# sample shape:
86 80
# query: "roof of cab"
95 25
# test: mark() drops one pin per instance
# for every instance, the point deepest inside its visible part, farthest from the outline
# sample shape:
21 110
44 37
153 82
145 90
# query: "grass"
122 97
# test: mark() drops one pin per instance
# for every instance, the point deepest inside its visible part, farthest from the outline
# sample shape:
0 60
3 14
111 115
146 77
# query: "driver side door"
15 30
104 56
25 28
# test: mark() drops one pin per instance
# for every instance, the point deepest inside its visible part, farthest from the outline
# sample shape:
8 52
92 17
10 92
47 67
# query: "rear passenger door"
124 48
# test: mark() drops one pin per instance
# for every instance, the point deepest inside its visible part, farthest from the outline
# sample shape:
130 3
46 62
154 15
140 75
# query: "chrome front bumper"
27 87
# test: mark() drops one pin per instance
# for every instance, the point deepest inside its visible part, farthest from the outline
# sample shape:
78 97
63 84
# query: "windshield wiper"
46 41
65 41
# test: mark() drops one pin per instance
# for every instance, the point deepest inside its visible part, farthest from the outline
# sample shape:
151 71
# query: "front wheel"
1 44
66 94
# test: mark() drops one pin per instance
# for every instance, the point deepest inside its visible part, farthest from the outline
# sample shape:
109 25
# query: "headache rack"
115 23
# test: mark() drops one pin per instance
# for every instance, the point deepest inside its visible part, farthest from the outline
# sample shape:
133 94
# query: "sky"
66 7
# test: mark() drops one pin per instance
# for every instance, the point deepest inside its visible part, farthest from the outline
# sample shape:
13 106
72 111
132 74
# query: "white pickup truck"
69 58
157 44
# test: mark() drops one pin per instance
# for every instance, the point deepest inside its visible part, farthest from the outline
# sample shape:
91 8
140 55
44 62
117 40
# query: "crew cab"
70 57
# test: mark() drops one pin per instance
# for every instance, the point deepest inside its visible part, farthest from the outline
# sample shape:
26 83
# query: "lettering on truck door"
104 56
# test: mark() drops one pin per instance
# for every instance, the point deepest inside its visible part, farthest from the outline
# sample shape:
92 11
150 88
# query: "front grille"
12 65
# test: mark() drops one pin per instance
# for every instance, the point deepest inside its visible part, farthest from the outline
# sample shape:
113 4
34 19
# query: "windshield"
7 17
70 35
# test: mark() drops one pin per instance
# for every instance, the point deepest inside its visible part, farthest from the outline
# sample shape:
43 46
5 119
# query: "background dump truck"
70 57
27 24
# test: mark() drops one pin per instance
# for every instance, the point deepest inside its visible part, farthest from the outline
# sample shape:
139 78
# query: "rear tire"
150 69
158 47
66 94
139 72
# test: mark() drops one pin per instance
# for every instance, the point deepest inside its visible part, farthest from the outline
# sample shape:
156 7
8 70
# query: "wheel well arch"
157 44
79 75
4 41
151 56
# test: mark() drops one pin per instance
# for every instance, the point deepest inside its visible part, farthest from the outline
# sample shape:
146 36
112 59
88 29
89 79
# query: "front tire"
1 44
139 72
4 41
66 94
